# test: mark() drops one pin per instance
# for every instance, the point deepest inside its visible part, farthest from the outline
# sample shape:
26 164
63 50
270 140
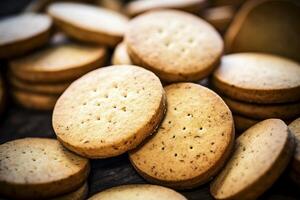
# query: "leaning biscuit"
295 129
89 23
36 168
138 192
261 155
22 33
34 100
263 111
59 63
175 45
193 141
78 194
120 55
41 88
137 7
258 78
109 111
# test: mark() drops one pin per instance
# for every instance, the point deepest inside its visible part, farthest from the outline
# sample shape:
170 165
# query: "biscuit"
34 100
269 145
137 7
138 192
175 45
220 17
120 55
109 111
59 63
260 24
79 194
41 88
263 111
36 168
20 34
242 123
89 23
295 130
193 141
258 78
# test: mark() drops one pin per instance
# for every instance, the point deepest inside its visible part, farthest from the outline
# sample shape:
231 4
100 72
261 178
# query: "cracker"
175 45
79 194
259 78
89 23
263 111
260 24
36 168
41 88
59 63
138 192
120 55
137 7
20 34
34 100
261 155
193 141
109 111
242 123
295 130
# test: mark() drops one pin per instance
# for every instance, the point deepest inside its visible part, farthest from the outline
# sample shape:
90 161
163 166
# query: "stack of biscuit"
258 86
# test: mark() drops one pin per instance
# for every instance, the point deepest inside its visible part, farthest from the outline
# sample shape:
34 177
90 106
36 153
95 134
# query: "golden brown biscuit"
20 34
260 24
59 63
295 130
89 23
116 108
263 111
79 194
259 78
34 100
120 55
193 141
175 45
138 192
261 155
36 168
137 7
41 88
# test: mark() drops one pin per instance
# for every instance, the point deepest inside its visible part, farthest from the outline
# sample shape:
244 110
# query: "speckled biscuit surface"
175 45
260 78
15 39
34 101
89 23
264 111
79 194
193 141
35 168
109 111
40 88
138 192
269 145
120 55
137 7
59 62
295 129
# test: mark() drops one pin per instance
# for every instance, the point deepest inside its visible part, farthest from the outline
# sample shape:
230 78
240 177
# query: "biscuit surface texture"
175 45
138 192
193 141
260 78
115 109
59 62
34 168
15 39
269 145
89 23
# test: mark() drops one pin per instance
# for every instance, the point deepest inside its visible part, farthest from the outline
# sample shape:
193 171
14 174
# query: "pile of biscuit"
178 133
